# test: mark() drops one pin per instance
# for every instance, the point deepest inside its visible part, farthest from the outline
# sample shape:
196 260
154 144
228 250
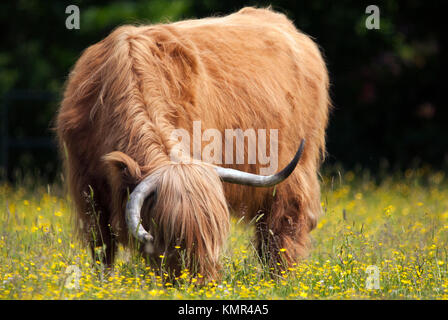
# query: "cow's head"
178 212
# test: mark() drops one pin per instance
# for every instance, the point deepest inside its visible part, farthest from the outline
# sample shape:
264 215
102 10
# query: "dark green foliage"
386 85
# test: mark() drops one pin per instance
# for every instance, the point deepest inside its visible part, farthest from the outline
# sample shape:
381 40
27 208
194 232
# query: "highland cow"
126 95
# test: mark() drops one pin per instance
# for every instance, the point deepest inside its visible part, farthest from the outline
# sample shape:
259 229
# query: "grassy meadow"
398 224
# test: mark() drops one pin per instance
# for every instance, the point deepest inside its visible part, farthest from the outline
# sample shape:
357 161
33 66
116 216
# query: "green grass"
399 225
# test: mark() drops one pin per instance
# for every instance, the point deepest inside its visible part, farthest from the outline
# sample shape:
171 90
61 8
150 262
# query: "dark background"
386 84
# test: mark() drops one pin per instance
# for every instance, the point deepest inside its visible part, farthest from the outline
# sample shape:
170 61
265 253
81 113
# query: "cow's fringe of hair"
191 215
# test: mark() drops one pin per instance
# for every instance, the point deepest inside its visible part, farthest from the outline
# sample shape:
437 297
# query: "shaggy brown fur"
125 95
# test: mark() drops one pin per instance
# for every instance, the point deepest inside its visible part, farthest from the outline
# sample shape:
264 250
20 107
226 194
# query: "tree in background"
386 84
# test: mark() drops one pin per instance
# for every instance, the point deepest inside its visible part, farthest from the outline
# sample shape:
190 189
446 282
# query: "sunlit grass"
399 225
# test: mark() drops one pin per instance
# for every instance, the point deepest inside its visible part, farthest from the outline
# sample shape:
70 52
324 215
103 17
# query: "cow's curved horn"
133 208
254 180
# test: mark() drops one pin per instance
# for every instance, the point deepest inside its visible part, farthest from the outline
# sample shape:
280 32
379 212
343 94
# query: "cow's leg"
283 230
103 243
94 219
283 240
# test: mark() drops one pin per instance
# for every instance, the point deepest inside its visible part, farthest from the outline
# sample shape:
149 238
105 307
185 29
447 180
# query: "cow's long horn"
254 180
147 186
133 208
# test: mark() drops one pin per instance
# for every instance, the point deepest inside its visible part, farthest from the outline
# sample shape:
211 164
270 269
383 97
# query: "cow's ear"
121 169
